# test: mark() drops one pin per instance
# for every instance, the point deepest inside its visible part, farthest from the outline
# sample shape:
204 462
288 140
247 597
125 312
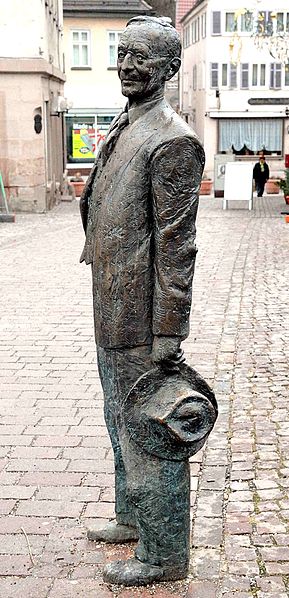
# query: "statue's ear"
173 68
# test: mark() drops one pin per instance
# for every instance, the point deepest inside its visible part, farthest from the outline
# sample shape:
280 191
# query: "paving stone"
54 444
28 587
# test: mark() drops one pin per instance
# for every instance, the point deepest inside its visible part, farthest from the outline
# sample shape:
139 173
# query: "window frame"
80 45
275 71
214 70
117 33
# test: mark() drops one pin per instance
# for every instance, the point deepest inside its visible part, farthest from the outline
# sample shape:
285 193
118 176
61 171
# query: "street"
56 467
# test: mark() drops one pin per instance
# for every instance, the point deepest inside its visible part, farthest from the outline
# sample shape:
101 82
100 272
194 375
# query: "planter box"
78 187
272 187
206 187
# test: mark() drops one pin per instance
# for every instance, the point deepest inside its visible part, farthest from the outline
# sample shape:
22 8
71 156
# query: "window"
224 75
230 23
247 21
262 74
254 75
245 75
287 74
280 21
198 29
265 22
187 36
80 48
275 75
216 22
214 75
204 25
258 75
113 39
253 134
233 75
195 77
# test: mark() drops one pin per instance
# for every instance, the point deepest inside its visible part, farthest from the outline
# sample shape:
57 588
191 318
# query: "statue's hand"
165 349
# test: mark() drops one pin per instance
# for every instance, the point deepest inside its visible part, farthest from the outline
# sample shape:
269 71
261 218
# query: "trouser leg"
119 370
160 493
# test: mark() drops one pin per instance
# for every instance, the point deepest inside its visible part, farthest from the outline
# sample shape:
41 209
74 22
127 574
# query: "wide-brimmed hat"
170 414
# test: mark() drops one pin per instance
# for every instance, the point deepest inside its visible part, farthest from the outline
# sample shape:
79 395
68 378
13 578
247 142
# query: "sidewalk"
56 468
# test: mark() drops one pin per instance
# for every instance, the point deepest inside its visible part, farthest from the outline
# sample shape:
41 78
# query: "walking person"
261 175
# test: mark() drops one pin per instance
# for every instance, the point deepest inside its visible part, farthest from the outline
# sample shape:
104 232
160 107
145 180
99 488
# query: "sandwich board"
238 183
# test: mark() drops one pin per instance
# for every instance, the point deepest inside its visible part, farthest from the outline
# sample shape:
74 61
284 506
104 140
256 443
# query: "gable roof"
105 8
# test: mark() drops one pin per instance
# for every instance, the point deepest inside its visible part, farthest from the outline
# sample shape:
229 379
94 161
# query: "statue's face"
143 62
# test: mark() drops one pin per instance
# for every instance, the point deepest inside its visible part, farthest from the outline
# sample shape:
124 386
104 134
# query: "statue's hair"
167 32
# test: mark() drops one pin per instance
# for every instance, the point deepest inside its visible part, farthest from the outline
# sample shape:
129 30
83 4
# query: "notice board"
238 183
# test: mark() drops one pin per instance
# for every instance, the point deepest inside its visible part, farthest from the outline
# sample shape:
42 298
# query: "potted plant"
78 184
284 185
206 186
272 185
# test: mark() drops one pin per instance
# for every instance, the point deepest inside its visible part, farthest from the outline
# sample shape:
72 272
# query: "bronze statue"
138 210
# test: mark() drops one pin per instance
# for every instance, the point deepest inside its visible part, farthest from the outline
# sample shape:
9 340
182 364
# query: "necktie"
113 136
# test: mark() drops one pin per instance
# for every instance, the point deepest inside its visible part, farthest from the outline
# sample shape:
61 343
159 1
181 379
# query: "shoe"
135 573
112 532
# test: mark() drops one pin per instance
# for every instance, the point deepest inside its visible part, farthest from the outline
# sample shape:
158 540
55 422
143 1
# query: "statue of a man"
138 210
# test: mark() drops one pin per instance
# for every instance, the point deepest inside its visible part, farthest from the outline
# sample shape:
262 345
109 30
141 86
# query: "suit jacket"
139 211
259 174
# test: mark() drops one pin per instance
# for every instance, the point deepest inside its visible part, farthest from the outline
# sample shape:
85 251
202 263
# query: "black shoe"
135 573
113 533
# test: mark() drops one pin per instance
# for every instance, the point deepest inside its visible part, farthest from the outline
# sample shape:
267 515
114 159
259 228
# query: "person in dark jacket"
261 175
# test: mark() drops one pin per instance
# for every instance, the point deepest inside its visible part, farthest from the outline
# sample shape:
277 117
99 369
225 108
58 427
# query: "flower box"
206 187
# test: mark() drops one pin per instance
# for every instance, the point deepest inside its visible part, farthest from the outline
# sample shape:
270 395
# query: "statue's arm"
177 169
86 195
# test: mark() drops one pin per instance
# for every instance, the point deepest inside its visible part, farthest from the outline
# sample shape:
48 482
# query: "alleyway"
56 469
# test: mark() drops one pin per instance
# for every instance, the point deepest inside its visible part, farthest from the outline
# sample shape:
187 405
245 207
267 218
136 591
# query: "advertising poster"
83 141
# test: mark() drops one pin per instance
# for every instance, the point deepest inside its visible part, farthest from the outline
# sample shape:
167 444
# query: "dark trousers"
151 493
260 185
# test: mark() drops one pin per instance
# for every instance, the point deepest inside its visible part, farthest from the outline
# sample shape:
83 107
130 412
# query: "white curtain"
255 133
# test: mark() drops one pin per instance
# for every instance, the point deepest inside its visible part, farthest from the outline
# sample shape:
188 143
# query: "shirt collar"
141 109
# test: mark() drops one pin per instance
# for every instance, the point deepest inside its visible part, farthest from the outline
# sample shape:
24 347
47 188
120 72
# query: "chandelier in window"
269 30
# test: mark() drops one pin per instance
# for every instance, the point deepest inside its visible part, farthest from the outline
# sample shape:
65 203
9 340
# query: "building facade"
233 93
31 102
91 34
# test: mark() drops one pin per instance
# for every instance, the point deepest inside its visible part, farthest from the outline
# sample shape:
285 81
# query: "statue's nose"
127 63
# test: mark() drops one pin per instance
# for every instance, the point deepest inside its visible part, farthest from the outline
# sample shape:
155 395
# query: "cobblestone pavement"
55 458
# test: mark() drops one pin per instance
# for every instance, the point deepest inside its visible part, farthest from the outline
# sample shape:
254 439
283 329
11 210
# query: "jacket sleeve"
177 168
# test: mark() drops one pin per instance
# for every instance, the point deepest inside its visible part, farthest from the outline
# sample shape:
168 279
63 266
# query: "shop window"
251 135
113 39
80 48
85 135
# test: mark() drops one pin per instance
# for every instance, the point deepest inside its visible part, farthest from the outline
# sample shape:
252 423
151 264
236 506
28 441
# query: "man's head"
148 56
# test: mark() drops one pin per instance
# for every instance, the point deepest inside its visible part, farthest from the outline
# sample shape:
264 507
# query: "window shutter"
245 75
216 22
